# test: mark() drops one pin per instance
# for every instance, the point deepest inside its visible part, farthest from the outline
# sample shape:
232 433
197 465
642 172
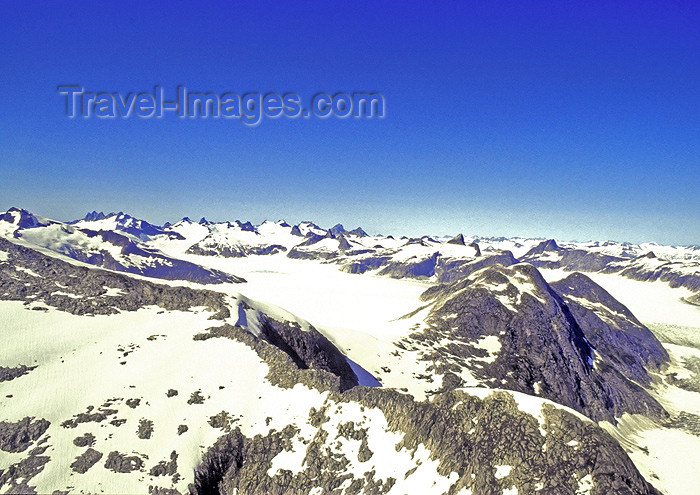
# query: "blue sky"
575 120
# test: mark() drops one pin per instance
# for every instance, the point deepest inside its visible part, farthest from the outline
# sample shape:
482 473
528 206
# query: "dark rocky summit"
547 345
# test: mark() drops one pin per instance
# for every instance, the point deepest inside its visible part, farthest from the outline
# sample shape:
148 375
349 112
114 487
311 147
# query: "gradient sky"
575 120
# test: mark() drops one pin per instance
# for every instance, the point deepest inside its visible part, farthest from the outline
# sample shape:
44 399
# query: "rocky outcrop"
122 463
555 451
86 460
18 436
22 219
306 349
7 374
510 329
451 269
414 269
647 268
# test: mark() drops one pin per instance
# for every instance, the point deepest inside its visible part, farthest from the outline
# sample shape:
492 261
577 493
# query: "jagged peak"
548 245
458 239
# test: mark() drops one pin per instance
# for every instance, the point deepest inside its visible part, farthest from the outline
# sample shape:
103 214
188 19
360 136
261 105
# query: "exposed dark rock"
87 440
466 435
449 270
307 349
86 460
359 232
171 392
546 347
209 246
88 417
18 436
22 219
24 470
458 239
612 329
476 248
337 230
196 397
121 463
145 429
133 403
223 421
7 374
548 245
414 269
165 468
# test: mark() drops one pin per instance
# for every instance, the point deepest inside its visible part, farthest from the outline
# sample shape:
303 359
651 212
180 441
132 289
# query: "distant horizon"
545 119
346 225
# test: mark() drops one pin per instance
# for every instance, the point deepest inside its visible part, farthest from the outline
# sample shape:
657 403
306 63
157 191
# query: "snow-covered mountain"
141 358
118 248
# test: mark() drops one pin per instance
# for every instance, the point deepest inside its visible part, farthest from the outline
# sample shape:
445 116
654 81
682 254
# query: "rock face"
611 328
309 349
306 349
510 329
86 460
7 373
122 463
650 268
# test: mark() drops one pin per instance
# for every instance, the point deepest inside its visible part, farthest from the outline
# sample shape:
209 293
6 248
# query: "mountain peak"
337 229
458 239
359 232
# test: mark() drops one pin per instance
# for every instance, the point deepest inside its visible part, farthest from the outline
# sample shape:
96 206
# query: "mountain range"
227 357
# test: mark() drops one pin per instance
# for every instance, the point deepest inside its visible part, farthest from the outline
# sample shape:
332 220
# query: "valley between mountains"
230 358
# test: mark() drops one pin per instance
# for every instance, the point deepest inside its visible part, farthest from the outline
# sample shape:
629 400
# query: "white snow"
650 302
491 344
502 471
80 365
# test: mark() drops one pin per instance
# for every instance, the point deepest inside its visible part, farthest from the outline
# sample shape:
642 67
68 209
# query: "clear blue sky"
573 120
